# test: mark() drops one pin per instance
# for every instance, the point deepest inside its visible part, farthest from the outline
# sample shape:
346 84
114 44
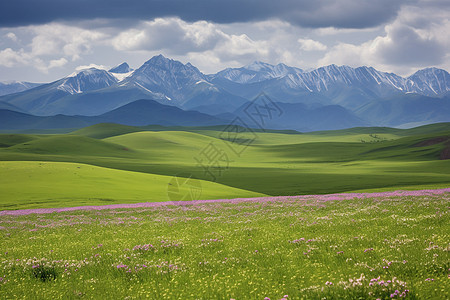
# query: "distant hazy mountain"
256 72
183 85
137 113
165 76
85 80
121 69
146 112
328 97
406 111
121 72
16 87
7 106
429 82
300 117
341 85
86 92
12 120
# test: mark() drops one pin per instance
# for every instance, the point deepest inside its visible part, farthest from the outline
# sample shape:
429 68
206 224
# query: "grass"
312 247
55 184
270 163
362 248
104 130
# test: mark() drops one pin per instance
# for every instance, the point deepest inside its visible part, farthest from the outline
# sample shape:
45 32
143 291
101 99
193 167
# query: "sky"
42 41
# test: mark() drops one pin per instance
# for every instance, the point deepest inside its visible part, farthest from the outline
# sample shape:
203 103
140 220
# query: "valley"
110 163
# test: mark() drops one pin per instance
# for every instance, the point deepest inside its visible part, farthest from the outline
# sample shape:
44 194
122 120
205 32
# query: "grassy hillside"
104 130
431 128
49 184
392 246
266 163
70 145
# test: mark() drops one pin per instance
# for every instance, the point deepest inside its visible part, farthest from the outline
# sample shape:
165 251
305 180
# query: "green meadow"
382 247
347 246
110 163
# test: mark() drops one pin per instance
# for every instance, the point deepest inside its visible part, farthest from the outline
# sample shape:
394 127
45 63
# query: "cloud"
57 63
47 42
177 37
404 45
172 34
100 67
311 45
409 43
333 31
59 39
407 35
306 13
11 36
10 58
199 41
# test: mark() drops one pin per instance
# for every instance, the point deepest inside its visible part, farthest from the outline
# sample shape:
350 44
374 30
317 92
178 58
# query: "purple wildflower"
329 197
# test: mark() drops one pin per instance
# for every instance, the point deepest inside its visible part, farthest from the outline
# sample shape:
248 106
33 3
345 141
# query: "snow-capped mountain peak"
86 80
11 87
429 81
121 69
258 66
256 72
165 76
122 76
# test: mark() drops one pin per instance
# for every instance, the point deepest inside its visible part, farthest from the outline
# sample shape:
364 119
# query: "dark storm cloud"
406 47
307 13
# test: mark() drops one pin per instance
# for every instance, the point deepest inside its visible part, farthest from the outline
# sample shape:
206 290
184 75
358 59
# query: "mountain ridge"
355 92
137 113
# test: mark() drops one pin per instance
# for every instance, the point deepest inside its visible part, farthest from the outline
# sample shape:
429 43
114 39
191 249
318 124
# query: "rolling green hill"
49 184
265 163
72 145
104 130
431 128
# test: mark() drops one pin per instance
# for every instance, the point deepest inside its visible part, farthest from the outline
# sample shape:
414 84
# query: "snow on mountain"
121 69
256 72
93 90
429 82
12 87
121 76
167 73
325 78
86 80
165 76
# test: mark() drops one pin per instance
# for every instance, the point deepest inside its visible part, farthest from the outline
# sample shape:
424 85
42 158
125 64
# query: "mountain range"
330 97
136 113
12 87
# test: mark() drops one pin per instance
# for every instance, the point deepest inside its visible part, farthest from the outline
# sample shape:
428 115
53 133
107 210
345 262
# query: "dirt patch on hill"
432 141
445 153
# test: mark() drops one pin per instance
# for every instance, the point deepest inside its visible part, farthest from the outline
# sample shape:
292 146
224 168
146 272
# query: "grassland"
54 184
349 246
368 247
112 163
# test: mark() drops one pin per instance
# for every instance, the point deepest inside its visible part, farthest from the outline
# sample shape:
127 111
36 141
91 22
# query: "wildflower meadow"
391 245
